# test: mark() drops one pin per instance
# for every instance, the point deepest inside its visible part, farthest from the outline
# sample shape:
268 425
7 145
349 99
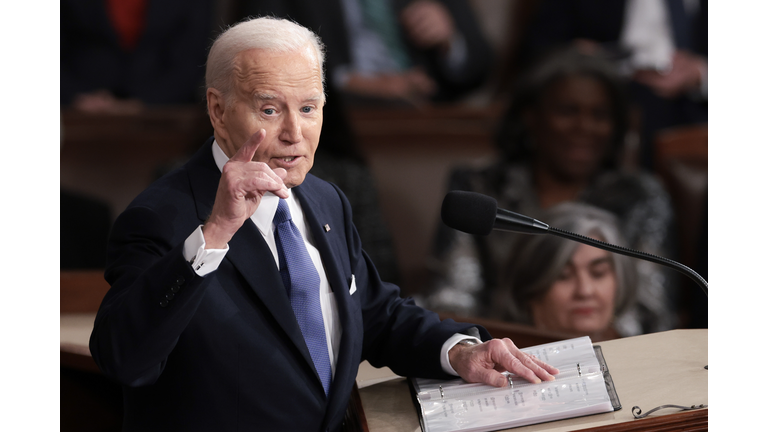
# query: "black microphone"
478 214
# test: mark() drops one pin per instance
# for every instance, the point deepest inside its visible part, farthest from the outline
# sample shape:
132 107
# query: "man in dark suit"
202 324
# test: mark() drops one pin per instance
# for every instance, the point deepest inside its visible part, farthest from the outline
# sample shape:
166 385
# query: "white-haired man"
209 324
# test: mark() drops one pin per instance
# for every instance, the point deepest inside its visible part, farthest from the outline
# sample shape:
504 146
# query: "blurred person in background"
402 52
565 286
119 56
661 45
559 141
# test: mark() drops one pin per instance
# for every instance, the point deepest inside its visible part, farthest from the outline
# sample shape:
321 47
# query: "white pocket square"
352 286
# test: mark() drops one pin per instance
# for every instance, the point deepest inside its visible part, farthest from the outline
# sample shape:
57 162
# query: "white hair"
267 33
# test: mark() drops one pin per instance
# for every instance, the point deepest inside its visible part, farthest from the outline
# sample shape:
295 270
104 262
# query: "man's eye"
306 109
269 111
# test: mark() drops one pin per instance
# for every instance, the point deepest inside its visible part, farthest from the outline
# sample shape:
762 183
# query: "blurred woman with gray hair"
565 286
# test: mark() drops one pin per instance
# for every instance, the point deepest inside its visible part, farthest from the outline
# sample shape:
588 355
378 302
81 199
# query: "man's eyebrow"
269 96
315 98
265 96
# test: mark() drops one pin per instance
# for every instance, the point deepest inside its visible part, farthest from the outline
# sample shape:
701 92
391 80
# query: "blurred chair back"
681 161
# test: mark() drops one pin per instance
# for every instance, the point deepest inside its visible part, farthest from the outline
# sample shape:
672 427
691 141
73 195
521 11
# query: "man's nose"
290 132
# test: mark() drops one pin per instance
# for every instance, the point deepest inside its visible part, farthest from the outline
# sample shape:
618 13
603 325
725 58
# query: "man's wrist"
215 237
456 339
202 259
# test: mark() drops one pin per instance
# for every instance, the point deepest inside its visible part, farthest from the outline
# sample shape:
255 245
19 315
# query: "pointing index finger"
246 152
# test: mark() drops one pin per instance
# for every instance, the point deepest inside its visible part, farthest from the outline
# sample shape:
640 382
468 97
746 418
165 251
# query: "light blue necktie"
303 284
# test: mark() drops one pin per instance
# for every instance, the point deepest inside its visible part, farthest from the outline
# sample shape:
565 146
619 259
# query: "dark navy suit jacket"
224 351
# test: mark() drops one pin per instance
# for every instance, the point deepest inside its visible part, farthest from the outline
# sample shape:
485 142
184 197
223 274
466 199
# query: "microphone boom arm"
633 253
485 216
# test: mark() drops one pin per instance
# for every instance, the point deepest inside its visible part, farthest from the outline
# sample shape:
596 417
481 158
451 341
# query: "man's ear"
216 107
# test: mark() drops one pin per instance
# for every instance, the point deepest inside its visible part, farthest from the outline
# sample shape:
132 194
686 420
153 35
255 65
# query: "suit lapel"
251 256
316 217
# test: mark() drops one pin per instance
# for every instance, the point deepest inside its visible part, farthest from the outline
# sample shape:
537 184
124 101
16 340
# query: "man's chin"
294 179
296 175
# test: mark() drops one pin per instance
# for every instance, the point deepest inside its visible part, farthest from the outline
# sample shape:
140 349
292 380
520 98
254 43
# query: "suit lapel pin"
327 227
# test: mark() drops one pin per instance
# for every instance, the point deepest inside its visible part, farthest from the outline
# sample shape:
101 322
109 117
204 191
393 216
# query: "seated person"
565 286
660 45
393 52
119 57
559 141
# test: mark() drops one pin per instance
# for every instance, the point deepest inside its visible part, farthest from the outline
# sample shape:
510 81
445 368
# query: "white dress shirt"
205 261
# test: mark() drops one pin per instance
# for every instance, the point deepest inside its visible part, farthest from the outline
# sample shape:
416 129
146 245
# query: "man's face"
282 94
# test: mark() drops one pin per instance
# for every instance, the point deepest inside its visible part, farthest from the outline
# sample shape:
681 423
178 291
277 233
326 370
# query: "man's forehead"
268 61
259 69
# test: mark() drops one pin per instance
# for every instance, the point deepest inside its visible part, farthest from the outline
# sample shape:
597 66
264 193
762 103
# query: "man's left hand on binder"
483 363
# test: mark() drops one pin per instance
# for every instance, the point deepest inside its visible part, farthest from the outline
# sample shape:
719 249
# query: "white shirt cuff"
453 340
203 260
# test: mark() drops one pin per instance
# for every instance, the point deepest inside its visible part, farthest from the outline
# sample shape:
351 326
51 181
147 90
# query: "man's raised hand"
242 185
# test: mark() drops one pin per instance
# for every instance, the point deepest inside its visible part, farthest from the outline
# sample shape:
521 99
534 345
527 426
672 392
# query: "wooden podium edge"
354 419
689 421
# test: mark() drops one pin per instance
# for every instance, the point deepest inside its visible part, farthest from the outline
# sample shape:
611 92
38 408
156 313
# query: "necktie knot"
283 212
